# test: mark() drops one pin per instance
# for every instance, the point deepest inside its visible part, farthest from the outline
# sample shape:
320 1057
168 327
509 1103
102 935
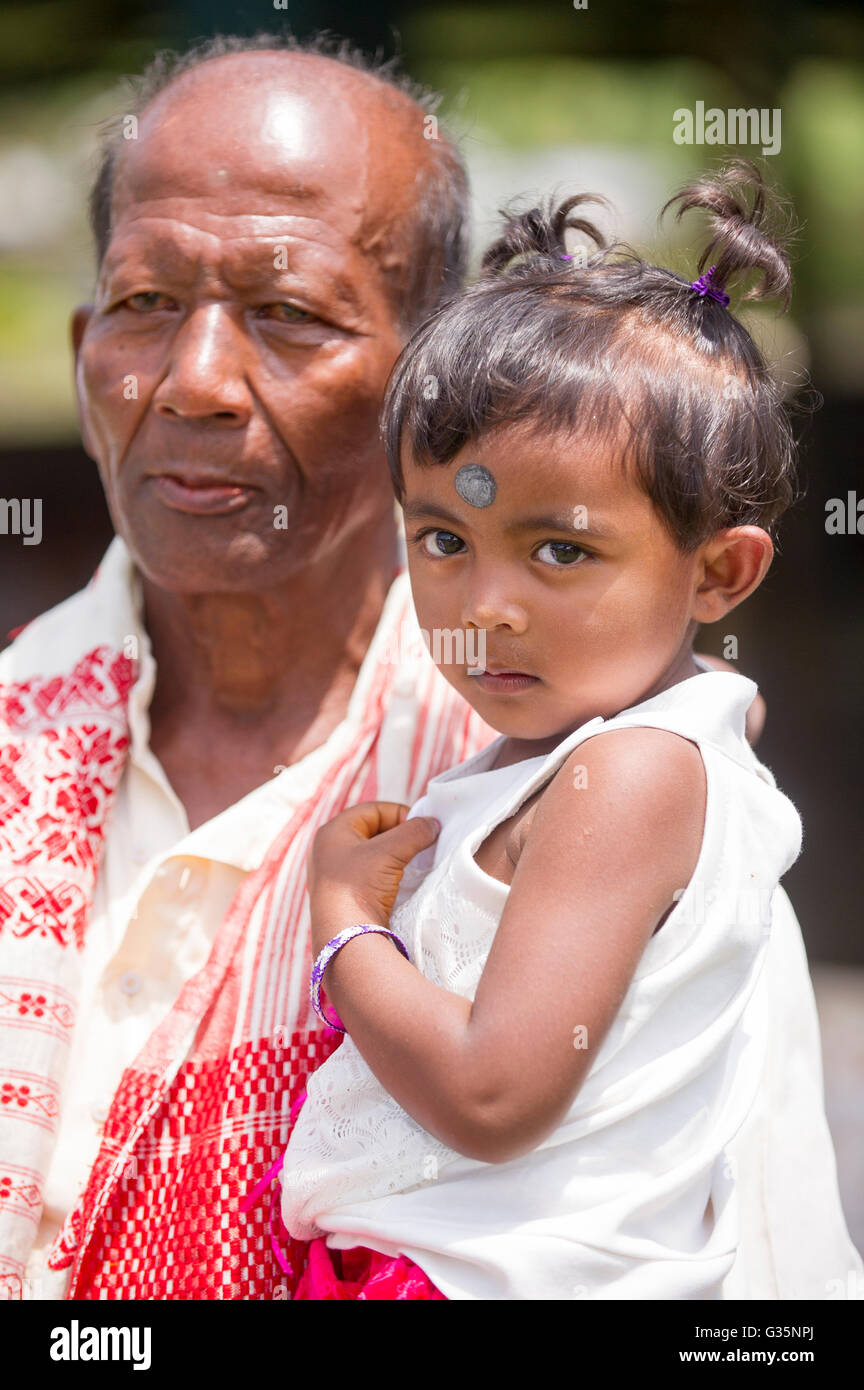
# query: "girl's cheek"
419 591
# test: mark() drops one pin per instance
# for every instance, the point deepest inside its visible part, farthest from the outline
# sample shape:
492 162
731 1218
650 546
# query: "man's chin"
207 562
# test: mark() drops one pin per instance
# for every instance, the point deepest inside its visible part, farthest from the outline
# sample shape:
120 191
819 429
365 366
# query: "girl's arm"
601 864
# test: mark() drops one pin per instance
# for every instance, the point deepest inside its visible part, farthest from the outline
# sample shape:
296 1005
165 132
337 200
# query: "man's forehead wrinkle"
265 225
163 237
151 179
178 254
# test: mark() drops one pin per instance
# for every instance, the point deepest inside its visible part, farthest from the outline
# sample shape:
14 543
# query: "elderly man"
271 221
268 234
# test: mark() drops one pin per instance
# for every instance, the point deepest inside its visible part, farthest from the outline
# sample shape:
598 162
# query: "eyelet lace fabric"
638 1191
352 1140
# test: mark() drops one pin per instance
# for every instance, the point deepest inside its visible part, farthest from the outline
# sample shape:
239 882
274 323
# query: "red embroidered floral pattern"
100 681
64 1247
19 1190
22 1006
10 1287
40 1101
62 745
57 778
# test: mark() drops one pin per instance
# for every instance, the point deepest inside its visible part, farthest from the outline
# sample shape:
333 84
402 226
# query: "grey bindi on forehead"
475 485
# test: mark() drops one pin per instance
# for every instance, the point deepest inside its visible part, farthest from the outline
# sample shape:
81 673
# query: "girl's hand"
356 863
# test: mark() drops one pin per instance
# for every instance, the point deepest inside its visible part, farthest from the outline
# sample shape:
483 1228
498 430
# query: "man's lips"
200 494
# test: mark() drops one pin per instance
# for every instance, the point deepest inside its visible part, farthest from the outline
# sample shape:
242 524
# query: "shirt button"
130 983
100 1113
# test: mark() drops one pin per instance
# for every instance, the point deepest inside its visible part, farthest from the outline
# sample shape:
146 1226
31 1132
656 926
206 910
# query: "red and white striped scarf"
204 1110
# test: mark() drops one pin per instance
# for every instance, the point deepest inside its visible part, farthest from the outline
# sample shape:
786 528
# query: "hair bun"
540 232
751 227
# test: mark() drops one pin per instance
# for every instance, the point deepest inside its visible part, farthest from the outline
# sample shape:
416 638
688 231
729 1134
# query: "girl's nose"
490 608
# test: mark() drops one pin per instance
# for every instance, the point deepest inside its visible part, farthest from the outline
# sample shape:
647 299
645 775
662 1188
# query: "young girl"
548 973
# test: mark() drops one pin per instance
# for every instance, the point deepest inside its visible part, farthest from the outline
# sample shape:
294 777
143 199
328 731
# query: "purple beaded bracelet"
333 945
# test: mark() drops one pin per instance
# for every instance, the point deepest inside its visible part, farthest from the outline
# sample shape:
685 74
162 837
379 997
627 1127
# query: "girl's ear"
733 563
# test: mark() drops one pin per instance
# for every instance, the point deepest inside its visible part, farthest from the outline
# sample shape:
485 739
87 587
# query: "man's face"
231 370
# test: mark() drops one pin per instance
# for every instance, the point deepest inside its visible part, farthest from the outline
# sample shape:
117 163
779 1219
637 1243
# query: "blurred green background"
543 96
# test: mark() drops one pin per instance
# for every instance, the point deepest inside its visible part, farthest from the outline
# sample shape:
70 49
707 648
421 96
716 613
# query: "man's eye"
146 301
286 313
561 553
441 543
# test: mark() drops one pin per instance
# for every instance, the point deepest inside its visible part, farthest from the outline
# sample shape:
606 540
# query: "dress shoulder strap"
707 709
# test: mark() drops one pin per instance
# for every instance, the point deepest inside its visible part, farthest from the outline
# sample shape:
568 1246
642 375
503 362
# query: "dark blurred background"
542 96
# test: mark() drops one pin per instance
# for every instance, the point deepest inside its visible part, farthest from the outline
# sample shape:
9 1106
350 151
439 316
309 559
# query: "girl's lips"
505 682
201 498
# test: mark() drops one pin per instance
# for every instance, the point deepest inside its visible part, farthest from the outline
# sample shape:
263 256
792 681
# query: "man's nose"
490 602
206 377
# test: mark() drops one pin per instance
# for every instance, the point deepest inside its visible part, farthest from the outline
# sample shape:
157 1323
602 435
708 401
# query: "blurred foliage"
519 81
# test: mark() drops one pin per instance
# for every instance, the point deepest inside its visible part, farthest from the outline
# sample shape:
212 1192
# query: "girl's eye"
440 543
147 300
561 553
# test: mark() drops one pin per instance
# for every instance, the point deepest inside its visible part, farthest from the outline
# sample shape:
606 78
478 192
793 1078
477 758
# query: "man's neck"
250 682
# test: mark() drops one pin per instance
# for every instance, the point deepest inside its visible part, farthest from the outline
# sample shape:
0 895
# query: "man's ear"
77 328
734 563
78 324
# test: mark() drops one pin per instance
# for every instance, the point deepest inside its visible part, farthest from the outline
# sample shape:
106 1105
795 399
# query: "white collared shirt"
161 894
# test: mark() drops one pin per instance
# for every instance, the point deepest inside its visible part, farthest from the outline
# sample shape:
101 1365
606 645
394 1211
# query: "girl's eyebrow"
558 521
413 511
561 521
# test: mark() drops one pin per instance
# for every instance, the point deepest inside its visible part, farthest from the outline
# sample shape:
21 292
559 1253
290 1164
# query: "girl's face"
568 570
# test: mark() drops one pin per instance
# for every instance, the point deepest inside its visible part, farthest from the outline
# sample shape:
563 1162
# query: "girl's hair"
588 343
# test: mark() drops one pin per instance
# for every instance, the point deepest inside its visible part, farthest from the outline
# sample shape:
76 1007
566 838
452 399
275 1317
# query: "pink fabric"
342 1275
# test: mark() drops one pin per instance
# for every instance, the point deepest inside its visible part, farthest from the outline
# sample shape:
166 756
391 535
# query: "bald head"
251 122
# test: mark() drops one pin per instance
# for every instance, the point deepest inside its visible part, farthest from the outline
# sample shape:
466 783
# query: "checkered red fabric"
173 1227
57 780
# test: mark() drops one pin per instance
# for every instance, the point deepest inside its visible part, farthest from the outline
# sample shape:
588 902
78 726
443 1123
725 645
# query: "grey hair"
438 262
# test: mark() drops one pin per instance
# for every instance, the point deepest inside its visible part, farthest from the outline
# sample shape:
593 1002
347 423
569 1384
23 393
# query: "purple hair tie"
707 287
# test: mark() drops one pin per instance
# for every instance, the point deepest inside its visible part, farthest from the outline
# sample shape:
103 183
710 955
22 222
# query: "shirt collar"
241 834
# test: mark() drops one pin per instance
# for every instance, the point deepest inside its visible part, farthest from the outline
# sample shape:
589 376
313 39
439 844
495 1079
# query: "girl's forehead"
515 466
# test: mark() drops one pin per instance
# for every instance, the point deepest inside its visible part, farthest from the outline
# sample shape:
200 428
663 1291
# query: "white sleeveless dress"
640 1192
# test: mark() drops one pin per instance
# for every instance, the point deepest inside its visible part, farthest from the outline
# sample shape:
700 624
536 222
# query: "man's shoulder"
49 644
97 618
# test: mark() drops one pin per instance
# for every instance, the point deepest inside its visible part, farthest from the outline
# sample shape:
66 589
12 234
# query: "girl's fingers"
412 836
370 818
